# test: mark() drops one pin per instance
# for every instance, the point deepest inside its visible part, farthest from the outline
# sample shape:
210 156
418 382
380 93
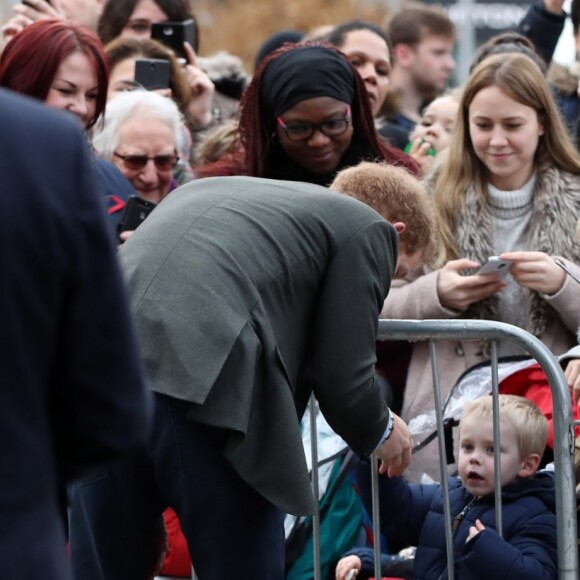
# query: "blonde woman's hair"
521 79
529 423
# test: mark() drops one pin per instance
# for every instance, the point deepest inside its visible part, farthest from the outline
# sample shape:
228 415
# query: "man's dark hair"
414 21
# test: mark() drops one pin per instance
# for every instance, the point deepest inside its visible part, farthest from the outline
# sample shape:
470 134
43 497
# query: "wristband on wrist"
390 427
388 431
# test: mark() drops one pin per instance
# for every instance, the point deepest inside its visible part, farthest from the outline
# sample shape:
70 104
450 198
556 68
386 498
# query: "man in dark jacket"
249 295
72 390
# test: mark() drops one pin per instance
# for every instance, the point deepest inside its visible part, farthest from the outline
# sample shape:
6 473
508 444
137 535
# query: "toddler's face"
476 466
437 123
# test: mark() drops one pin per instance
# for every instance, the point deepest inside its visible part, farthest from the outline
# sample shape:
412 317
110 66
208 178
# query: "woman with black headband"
305 115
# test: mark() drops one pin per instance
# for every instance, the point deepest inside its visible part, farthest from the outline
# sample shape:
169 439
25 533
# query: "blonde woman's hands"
536 271
458 292
199 110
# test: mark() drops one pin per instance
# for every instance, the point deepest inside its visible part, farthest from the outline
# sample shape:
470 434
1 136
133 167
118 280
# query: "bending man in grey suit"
249 295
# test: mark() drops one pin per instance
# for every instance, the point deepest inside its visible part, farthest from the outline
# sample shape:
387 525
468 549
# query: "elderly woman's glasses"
303 131
138 162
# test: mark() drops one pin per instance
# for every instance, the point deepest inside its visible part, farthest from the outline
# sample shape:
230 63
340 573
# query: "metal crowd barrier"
433 330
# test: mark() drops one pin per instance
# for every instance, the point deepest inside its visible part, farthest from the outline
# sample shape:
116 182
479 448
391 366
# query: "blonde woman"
509 185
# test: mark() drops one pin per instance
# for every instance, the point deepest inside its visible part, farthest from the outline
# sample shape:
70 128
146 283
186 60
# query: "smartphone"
134 213
174 34
494 265
152 73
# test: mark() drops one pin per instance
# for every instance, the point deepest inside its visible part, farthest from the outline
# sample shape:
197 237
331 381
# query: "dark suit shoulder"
18 112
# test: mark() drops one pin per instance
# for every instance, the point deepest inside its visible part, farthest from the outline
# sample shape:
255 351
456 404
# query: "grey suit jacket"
249 294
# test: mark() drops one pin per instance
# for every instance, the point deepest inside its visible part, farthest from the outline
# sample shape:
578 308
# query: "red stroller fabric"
531 383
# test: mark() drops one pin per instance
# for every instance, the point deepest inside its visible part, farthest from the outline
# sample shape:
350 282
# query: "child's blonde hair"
216 142
395 194
529 423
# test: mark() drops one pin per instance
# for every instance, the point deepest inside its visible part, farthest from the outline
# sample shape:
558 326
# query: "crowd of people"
342 181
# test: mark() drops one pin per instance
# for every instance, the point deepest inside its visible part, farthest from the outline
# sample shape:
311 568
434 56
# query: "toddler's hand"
347 565
474 530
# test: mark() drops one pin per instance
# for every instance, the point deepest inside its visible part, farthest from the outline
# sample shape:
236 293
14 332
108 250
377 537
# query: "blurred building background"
240 26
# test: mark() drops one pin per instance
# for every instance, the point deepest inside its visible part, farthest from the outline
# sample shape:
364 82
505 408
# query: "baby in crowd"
432 133
412 514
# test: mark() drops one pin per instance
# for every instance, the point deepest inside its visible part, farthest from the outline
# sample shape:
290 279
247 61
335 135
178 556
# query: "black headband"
305 73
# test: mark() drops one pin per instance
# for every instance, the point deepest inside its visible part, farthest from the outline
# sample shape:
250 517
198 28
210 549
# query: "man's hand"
395 452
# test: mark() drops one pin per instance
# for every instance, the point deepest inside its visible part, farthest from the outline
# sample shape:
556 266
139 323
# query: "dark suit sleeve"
543 28
99 402
342 371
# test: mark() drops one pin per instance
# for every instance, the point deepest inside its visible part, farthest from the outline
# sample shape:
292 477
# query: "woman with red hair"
62 63
305 116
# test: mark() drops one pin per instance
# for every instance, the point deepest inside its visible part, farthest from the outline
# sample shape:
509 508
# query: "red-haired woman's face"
75 88
320 153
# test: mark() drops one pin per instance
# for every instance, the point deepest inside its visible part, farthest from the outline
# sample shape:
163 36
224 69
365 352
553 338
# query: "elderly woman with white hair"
141 135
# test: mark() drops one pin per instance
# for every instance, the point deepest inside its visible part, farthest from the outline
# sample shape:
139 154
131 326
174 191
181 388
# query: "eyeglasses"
138 162
303 131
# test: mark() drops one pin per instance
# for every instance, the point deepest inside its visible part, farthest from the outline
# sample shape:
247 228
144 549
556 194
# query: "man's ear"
402 54
400 227
529 465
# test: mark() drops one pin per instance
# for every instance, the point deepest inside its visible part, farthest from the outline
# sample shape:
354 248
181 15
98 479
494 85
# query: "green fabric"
340 525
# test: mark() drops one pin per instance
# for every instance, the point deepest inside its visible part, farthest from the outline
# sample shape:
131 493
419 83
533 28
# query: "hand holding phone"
497 266
174 34
134 213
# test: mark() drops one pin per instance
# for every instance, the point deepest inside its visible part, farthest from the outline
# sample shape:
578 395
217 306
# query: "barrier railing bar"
375 515
497 439
442 459
315 490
